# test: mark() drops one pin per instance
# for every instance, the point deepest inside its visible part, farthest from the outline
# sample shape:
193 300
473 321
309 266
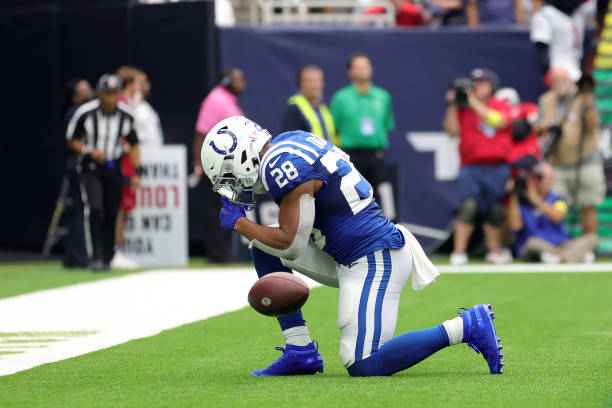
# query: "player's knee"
365 368
496 215
266 263
347 352
468 210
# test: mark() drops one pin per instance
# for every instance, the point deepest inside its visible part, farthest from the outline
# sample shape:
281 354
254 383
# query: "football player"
332 230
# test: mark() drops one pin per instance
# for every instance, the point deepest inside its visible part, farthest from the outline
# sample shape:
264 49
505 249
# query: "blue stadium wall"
416 66
46 43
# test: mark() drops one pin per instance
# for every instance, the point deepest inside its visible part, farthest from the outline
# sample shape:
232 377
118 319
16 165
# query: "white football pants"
369 291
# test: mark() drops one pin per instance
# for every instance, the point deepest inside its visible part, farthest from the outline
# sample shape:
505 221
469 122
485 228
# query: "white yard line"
114 311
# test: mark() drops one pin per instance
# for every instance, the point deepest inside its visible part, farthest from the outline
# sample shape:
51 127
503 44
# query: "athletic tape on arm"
300 241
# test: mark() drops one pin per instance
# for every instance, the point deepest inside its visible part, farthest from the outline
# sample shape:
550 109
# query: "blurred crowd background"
517 92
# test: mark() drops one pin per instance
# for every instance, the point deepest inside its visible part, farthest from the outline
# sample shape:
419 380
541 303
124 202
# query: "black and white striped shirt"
100 131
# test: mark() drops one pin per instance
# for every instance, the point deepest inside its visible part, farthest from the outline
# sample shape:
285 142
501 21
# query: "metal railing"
347 12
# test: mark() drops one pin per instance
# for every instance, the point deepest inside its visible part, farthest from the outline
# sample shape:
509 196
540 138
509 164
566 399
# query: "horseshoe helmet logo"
225 131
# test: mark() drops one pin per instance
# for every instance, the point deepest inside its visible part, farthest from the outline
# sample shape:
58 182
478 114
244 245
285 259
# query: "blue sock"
401 352
265 264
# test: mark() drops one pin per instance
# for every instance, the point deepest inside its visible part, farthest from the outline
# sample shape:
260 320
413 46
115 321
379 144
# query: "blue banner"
416 66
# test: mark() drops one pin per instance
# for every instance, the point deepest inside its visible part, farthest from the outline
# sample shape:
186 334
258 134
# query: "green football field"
556 330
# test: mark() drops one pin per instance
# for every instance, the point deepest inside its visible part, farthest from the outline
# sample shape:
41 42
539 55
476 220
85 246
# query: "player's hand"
135 182
98 156
229 214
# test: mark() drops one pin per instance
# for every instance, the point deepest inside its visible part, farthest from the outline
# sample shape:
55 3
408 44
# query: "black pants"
75 250
370 163
103 187
217 241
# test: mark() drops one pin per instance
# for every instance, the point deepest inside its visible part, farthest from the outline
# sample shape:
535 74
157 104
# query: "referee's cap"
109 83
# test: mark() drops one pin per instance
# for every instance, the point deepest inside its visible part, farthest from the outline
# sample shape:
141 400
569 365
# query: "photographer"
483 124
536 216
570 120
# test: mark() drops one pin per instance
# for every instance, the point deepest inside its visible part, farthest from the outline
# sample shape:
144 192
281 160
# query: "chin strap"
300 241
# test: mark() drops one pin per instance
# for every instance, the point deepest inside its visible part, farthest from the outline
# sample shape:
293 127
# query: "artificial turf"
555 329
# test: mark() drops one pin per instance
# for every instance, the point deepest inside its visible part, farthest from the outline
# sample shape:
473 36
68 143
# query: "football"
278 294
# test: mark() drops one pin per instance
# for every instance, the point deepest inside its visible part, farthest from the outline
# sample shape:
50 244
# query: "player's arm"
296 217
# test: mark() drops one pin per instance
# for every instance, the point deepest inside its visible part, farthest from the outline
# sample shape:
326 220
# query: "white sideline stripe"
426 231
118 310
526 268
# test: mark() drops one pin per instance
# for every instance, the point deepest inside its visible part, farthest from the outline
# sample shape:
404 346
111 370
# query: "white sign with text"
156 229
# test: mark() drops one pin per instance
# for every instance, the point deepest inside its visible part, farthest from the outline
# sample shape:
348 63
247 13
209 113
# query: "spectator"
363 115
483 124
148 129
536 216
306 111
224 13
448 12
494 12
557 31
525 152
94 133
221 103
136 88
77 92
146 119
531 7
407 13
570 119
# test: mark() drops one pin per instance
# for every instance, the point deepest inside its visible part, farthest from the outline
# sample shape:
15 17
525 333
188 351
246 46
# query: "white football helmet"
230 159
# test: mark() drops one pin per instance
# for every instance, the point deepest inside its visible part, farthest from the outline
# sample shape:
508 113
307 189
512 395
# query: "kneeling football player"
332 230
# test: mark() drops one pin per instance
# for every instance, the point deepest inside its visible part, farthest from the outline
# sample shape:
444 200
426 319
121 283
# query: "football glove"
229 214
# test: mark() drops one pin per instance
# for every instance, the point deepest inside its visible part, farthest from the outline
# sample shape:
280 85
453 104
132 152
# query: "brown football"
278 294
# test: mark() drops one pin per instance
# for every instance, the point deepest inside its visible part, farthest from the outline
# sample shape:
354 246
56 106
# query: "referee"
97 132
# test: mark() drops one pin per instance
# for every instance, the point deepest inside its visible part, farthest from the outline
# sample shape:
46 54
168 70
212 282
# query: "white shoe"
589 257
120 261
458 258
499 256
548 258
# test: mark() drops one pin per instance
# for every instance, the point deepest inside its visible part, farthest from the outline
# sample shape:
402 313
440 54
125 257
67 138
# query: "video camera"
522 179
459 85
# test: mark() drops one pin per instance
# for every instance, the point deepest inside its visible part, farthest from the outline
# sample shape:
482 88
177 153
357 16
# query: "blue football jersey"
348 224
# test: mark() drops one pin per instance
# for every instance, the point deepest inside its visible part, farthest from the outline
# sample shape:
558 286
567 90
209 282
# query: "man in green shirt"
362 114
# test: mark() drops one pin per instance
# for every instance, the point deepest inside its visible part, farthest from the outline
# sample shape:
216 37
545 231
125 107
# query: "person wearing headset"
483 124
219 104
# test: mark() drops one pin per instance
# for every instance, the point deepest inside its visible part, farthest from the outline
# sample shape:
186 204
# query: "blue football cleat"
296 360
479 333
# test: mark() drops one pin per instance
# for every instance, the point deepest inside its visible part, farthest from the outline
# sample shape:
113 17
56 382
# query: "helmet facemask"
240 191
230 159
